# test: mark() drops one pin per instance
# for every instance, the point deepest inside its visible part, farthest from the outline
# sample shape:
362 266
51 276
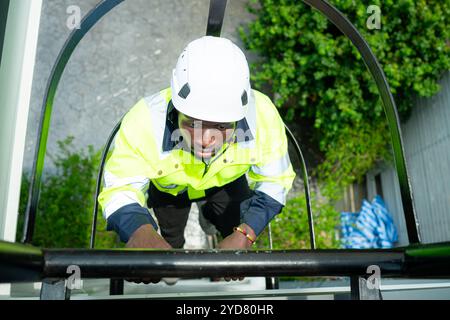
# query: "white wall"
16 74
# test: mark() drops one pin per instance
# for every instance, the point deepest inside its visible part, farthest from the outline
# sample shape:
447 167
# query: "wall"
427 146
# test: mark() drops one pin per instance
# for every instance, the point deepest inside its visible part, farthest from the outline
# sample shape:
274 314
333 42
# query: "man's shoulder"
149 103
264 105
160 97
259 96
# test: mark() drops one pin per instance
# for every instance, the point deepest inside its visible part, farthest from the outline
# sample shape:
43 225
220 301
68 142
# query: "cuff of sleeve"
128 219
259 210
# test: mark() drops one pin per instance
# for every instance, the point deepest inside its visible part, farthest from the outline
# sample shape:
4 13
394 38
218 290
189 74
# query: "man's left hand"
237 240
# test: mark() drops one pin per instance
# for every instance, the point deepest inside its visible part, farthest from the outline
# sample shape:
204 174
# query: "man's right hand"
147 237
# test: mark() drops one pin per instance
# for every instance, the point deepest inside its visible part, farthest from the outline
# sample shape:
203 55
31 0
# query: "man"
197 141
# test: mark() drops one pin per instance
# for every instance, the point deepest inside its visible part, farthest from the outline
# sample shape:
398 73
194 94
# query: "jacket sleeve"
273 175
127 176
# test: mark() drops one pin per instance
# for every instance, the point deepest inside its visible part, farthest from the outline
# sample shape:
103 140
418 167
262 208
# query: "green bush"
66 202
353 153
290 229
317 77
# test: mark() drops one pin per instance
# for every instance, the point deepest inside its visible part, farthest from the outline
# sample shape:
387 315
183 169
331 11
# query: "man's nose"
208 138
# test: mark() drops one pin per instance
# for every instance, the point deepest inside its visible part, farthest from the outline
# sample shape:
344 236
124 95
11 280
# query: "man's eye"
224 126
194 124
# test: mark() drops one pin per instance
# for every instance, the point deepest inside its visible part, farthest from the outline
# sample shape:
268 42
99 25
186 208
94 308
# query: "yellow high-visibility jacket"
147 148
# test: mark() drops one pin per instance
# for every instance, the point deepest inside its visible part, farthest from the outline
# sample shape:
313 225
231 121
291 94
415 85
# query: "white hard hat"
211 81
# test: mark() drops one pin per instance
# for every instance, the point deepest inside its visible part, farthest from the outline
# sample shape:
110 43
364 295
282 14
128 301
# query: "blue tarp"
370 228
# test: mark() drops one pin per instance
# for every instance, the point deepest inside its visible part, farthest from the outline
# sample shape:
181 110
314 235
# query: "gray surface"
427 147
53 289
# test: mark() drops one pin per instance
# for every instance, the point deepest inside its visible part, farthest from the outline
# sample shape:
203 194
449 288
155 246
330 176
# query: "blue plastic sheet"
371 228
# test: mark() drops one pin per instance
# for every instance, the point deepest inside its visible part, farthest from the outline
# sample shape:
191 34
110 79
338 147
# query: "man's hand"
237 240
147 237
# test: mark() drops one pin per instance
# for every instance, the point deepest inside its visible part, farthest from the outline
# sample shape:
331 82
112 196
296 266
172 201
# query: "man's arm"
238 240
127 178
272 176
136 227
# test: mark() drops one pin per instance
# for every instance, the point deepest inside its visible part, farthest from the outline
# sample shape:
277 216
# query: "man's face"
204 138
